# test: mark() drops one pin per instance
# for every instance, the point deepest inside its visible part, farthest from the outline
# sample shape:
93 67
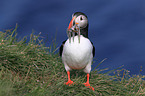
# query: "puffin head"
80 19
78 25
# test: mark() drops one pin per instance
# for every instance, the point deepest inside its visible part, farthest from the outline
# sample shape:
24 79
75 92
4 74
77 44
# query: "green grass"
31 69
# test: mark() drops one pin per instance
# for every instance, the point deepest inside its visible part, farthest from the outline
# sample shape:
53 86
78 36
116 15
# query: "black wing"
61 48
93 49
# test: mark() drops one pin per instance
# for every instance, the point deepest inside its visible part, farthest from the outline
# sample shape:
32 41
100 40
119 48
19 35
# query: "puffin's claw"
69 82
88 85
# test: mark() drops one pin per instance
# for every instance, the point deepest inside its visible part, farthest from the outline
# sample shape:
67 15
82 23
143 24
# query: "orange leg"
87 84
69 82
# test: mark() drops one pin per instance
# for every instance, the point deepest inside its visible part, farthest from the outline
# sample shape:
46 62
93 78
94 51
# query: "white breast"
77 55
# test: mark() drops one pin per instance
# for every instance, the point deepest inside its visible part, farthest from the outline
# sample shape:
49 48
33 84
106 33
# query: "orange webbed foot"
88 85
69 82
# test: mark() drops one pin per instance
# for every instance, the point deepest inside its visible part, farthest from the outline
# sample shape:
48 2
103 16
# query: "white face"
82 21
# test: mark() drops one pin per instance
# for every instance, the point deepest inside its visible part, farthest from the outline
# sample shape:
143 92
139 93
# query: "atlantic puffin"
77 51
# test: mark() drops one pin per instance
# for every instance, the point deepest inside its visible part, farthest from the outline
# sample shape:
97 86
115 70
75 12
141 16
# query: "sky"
116 27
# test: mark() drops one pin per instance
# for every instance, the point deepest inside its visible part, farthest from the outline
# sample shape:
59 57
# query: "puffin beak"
72 23
71 30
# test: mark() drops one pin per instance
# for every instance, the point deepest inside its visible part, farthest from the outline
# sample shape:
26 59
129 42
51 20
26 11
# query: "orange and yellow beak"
72 23
72 29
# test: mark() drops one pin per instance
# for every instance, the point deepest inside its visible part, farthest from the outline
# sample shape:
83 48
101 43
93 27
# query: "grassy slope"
30 69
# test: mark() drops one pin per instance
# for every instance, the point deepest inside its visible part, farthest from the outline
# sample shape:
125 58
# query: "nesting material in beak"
72 29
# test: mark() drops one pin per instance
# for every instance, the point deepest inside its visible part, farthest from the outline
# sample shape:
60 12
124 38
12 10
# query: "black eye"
81 18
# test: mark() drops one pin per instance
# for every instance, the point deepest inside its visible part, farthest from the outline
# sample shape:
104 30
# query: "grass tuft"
31 69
